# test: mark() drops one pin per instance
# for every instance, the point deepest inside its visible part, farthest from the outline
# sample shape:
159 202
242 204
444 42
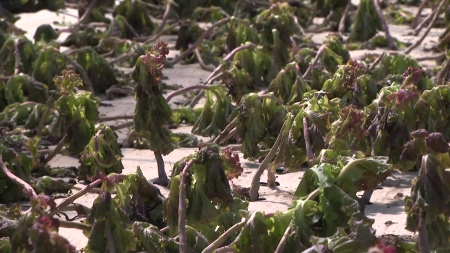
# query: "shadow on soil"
394 207
250 165
282 203
399 180
278 190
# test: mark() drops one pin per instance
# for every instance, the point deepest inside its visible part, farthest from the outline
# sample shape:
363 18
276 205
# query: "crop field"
245 126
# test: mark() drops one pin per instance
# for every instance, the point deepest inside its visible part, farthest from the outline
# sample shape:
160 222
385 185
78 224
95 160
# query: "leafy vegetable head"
152 112
154 60
209 195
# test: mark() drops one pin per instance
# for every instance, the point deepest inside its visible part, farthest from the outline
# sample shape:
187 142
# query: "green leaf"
363 174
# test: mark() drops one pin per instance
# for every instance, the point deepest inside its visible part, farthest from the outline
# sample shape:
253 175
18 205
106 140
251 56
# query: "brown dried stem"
214 74
156 36
254 188
187 89
309 151
430 25
56 149
166 14
88 12
316 59
343 20
221 137
389 38
219 241
111 118
182 209
67 201
122 126
203 36
375 63
199 41
201 62
419 13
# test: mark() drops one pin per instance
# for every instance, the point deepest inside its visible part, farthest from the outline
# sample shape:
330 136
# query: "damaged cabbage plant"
211 206
256 119
127 221
363 131
101 156
32 231
152 111
308 224
75 124
215 112
66 116
41 178
132 219
427 207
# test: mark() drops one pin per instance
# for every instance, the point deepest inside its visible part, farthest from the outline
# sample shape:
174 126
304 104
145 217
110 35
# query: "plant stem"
73 224
165 16
111 118
201 62
187 89
122 126
163 180
436 57
231 134
67 201
122 57
423 23
343 20
254 188
224 133
88 12
430 25
389 39
219 241
56 150
283 241
109 238
311 66
300 28
215 74
226 249
309 151
443 74
419 12
367 195
41 124
200 94
28 190
199 41
182 209
156 36
271 179
424 246
17 56
375 63
93 190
